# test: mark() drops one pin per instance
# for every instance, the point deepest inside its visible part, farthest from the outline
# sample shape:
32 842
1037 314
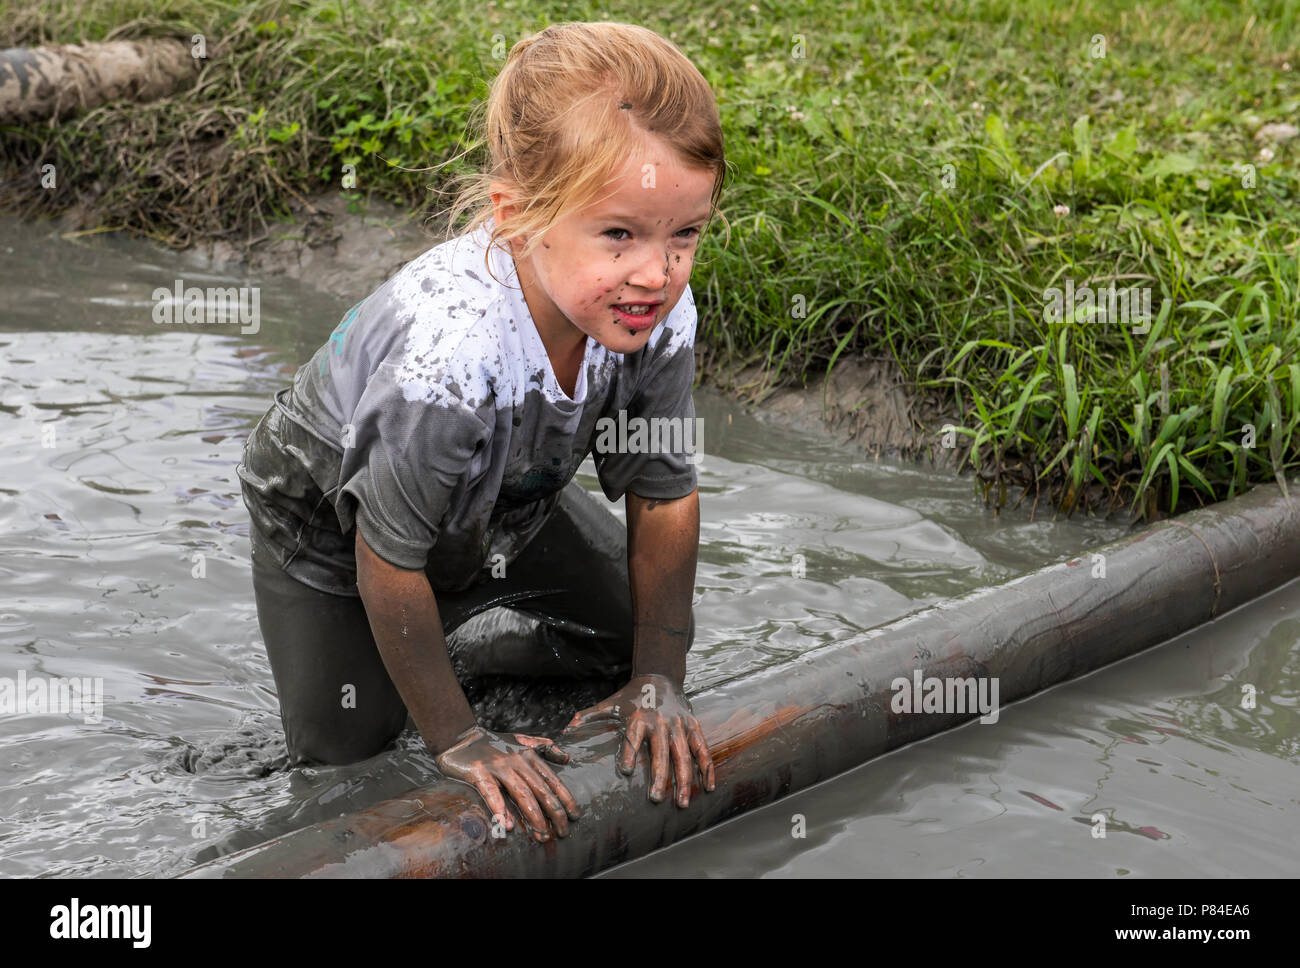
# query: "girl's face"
631 251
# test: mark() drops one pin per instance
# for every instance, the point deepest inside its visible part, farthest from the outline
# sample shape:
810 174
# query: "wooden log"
57 81
787 727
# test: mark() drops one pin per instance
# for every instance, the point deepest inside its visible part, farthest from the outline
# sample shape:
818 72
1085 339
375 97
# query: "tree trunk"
57 81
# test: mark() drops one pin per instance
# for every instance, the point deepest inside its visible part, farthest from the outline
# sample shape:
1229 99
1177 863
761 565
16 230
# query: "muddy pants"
572 578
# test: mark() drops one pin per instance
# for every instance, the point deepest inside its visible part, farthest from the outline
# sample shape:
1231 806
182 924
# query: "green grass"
849 236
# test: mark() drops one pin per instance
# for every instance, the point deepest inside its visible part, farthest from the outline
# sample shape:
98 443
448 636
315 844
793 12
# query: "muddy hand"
655 708
489 761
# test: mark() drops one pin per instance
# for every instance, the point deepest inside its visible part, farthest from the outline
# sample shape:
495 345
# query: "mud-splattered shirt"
432 421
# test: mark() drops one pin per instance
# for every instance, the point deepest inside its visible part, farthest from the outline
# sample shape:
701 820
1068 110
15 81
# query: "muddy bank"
866 403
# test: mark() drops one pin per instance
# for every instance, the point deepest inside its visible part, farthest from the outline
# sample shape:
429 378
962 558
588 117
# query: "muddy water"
1156 752
124 558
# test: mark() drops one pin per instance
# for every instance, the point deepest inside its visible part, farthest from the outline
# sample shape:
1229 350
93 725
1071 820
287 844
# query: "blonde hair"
571 105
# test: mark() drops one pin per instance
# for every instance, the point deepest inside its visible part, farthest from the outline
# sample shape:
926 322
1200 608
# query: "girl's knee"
337 742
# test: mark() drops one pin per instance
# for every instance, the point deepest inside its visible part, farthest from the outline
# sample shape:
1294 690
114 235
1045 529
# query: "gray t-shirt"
432 421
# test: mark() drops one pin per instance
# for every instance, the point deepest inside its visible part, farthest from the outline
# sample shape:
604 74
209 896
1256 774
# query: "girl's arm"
408 632
663 541
663 546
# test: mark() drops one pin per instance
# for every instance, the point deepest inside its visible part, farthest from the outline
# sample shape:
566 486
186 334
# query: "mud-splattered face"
632 249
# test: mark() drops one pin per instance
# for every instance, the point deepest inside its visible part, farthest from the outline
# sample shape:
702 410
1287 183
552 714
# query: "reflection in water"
124 556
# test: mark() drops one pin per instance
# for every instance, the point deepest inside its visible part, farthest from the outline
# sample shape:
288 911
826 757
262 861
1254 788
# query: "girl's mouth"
636 316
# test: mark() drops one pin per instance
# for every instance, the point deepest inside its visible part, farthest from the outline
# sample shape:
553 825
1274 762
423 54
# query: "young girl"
420 468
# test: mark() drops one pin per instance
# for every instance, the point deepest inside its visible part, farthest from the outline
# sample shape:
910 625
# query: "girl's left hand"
654 707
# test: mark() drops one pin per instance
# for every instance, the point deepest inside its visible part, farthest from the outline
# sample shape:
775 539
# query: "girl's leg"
572 579
568 588
336 700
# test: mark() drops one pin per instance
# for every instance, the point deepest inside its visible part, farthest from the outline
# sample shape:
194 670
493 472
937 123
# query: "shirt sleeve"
408 464
661 462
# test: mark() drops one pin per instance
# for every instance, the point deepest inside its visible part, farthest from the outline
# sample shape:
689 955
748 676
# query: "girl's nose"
652 271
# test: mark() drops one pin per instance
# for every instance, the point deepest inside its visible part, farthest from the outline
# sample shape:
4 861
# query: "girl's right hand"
488 761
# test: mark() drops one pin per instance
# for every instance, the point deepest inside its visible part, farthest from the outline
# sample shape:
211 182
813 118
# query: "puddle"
124 556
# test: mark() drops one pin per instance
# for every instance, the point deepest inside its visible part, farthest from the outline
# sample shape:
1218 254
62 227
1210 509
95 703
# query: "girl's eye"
608 233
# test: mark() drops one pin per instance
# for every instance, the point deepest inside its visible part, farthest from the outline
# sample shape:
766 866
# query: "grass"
899 187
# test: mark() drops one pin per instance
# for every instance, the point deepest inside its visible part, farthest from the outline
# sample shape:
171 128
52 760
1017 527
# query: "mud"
256 748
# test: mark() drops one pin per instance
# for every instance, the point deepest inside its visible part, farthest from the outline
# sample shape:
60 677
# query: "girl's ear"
502 202
502 208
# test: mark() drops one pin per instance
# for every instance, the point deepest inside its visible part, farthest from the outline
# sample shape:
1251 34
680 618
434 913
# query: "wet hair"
571 105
